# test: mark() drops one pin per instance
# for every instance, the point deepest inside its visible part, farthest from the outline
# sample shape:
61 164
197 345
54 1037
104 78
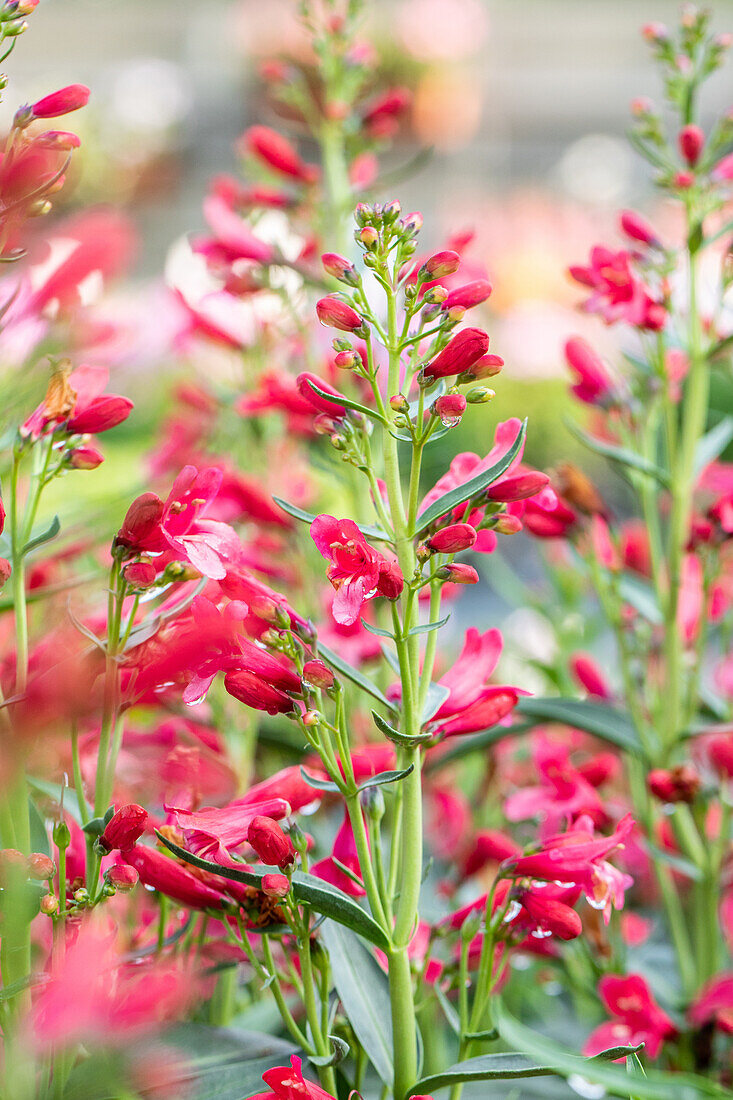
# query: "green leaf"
622 455
224 1064
655 1086
426 627
319 784
386 777
602 721
39 832
377 630
363 989
471 488
394 735
713 443
339 399
45 536
354 675
485 1067
308 890
56 791
371 532
449 1011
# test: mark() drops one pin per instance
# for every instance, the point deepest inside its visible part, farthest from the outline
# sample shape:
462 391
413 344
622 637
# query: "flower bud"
12 864
363 213
458 573
123 877
450 408
683 180
372 801
656 32
412 224
440 265
434 296
399 403
140 574
392 211
40 866
679 784
275 886
5 570
465 297
62 102
347 360
85 458
318 674
452 539
507 524
368 236
124 828
269 842
458 355
61 835
691 140
341 268
479 395
143 517
517 486
638 229
333 313
486 367
49 905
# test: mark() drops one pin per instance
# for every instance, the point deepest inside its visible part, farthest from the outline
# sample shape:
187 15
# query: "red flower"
62 102
587 673
458 355
125 827
271 844
593 386
305 383
464 297
639 1019
277 152
79 404
473 703
691 141
545 912
333 313
616 292
452 539
357 571
579 857
171 879
213 833
289 1084
714 1002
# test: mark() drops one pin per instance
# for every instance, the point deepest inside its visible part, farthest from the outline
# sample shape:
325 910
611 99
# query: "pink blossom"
638 1017
616 292
357 571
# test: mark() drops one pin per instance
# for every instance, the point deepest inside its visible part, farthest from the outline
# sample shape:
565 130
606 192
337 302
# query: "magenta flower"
214 833
82 408
714 1002
617 293
579 857
593 385
473 703
67 99
357 571
277 153
638 1017
288 1083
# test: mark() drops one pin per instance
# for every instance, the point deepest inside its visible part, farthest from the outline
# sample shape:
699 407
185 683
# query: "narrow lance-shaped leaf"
471 488
622 455
354 675
599 719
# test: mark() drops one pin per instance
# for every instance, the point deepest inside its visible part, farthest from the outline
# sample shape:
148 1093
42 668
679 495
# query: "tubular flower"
617 294
214 832
289 1084
579 857
593 385
76 400
638 1017
357 571
173 880
459 355
271 844
473 703
62 102
277 153
714 1002
125 827
333 313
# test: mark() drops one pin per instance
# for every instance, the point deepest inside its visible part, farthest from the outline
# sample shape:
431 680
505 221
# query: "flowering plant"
237 672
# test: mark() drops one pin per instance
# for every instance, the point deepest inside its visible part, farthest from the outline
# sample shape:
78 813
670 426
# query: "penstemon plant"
258 821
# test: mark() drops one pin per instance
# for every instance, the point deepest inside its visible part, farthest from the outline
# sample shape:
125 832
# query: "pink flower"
458 355
214 832
333 313
452 539
639 1019
473 703
638 228
579 857
62 102
562 794
616 292
112 1003
82 407
546 911
357 571
594 386
691 141
277 153
173 880
714 1002
467 296
289 1084
587 673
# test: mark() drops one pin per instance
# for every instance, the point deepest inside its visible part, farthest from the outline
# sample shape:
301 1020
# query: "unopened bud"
275 886
452 539
61 835
270 842
347 360
341 268
480 395
125 828
458 573
450 408
691 140
412 223
333 313
122 877
40 866
49 905
369 237
440 265
435 296
318 674
507 524
399 403
372 801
